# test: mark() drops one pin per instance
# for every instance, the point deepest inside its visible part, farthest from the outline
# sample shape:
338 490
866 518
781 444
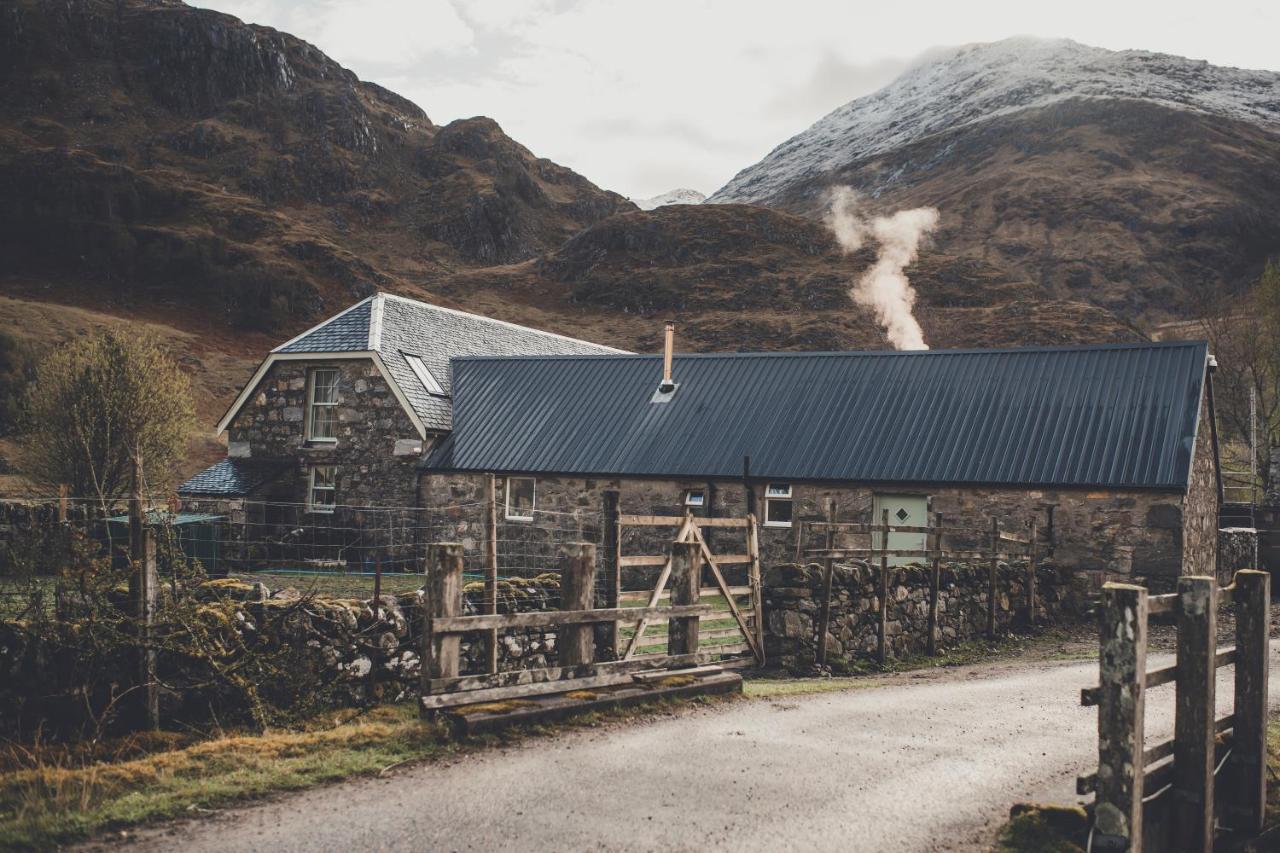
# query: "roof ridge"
496 321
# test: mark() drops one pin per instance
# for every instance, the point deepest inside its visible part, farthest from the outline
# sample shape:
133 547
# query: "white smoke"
884 287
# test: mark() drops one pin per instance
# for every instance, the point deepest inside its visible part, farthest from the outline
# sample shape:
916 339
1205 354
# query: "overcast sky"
642 96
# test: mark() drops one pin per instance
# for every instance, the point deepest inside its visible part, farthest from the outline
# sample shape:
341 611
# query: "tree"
1244 336
100 403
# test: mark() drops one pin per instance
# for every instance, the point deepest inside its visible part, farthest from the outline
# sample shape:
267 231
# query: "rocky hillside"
165 155
1136 181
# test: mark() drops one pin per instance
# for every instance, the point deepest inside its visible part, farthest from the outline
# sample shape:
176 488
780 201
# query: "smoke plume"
884 287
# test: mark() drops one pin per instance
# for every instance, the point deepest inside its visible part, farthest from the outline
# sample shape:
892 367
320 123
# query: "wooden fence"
1213 771
579 654
998 545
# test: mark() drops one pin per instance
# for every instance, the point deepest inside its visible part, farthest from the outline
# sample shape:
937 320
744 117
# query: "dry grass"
494 707
51 796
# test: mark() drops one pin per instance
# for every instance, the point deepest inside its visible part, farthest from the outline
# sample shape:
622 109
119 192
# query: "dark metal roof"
395 326
1114 415
232 477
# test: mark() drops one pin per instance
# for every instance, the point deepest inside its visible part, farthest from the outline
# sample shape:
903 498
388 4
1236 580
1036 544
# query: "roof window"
424 375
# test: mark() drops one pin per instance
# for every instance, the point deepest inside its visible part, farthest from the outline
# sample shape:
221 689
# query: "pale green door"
905 510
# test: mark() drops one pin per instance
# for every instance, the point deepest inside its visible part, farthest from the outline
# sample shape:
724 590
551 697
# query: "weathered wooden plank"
1224 657
575 642
1163 675
646 677
491 569
686 583
472 683
643 594
552 618
1248 776
732 559
443 600
993 575
935 580
1121 710
646 560
1161 604
828 572
1031 577
872 552
882 628
1193 735
607 633
757 590
679 520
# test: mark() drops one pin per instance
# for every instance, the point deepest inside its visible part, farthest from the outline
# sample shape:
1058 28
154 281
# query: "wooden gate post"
146 585
1249 740
757 586
686 587
1194 716
993 577
491 571
1031 576
882 633
1121 710
935 582
576 643
607 632
444 598
828 577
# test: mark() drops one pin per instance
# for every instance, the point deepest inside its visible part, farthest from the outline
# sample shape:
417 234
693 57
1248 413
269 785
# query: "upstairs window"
322 492
694 498
424 375
777 505
520 498
322 405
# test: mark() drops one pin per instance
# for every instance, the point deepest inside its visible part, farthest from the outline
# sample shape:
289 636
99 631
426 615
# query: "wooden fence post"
828 571
146 585
686 586
1194 716
1121 709
882 633
1249 740
607 633
491 571
757 585
576 643
444 598
935 582
993 577
1031 577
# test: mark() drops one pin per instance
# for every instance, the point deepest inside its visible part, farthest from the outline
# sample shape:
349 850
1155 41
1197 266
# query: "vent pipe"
668 384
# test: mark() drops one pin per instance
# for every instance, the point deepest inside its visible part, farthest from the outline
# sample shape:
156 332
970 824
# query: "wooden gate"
735 622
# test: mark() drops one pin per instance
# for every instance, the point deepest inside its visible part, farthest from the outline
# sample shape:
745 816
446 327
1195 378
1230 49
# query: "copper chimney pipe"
667 348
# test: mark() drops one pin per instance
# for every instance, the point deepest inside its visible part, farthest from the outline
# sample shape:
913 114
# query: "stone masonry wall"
1201 507
377 448
793 597
1136 532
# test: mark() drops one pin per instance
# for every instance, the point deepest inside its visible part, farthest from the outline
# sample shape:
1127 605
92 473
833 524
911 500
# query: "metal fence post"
576 643
686 588
1249 740
1194 717
1121 709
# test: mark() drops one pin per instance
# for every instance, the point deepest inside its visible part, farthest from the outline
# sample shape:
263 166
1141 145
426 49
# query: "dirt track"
930 761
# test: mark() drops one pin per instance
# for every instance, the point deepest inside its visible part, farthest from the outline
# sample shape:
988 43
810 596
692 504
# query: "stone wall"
1201 505
1237 548
793 598
1118 532
377 448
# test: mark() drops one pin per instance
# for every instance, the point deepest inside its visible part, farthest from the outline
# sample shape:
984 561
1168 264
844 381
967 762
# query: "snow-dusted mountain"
680 196
978 83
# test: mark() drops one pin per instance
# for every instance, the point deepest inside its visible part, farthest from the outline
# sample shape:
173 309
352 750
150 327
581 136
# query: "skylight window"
424 376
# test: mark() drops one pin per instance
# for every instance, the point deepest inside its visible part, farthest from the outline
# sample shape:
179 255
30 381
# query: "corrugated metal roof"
232 477
1114 415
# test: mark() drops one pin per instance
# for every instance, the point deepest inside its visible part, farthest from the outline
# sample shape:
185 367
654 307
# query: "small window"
777 505
323 491
322 405
424 375
695 497
520 498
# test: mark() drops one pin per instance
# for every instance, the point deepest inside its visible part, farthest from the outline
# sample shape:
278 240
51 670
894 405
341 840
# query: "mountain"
680 196
164 155
1137 181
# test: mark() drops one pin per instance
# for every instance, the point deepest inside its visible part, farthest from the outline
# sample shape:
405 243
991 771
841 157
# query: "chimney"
667 385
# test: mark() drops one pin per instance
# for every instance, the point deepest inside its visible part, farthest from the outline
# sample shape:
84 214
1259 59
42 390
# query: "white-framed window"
322 490
695 498
424 375
521 495
322 404
777 505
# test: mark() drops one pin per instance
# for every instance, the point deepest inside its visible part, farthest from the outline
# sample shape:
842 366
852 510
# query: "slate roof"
394 326
233 477
1111 416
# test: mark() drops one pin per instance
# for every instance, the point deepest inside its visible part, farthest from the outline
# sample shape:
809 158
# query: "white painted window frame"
695 502
312 506
312 405
420 370
533 504
777 493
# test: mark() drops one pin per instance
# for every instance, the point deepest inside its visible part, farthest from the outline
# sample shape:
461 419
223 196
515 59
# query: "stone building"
342 414
1111 449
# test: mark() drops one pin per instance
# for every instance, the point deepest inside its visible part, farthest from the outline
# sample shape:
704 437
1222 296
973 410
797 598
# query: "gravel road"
930 761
